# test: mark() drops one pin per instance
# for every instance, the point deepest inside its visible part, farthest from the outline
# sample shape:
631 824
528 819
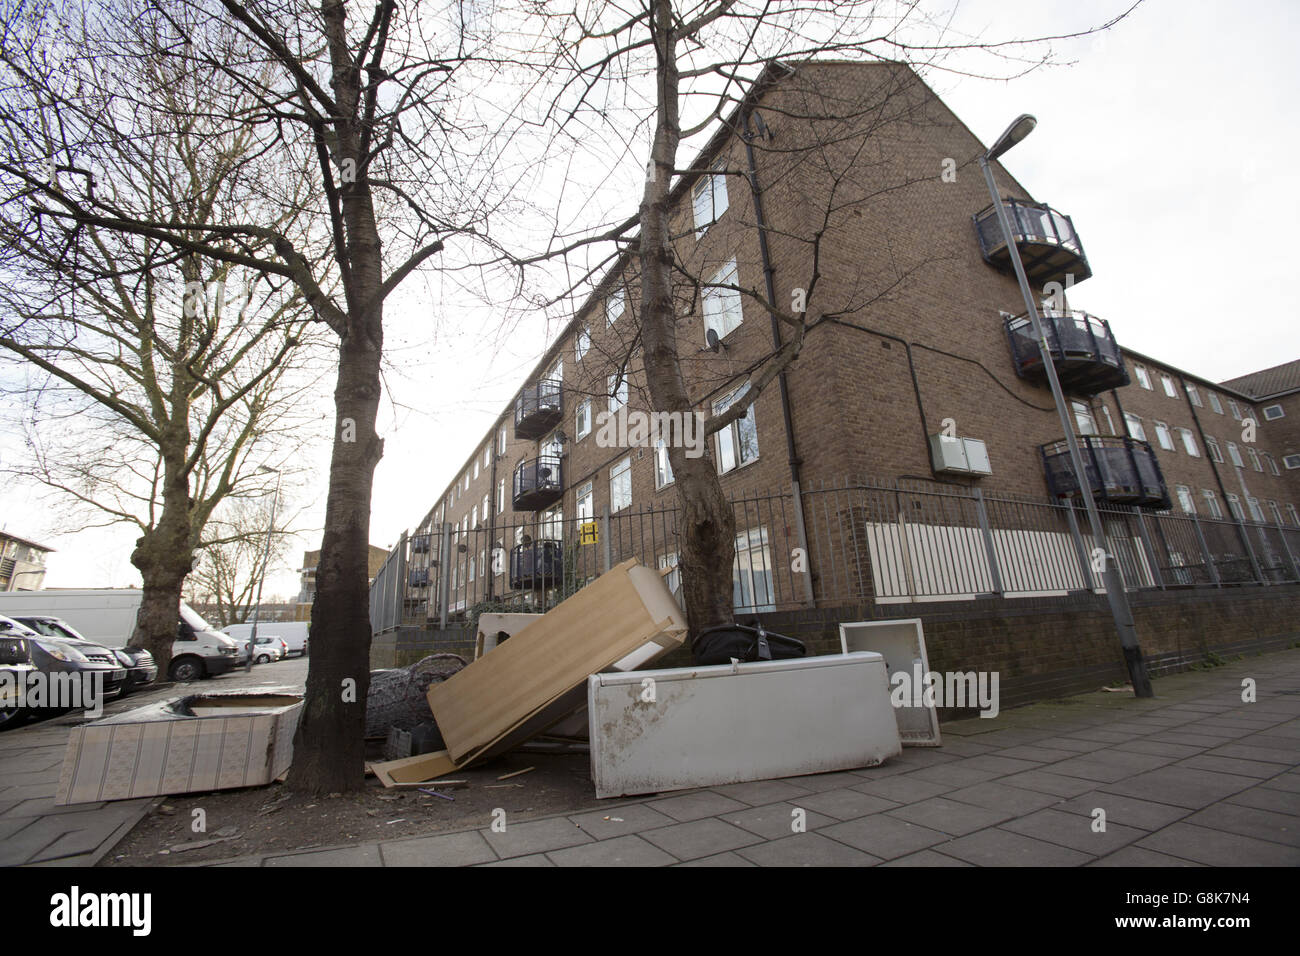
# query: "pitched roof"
1268 382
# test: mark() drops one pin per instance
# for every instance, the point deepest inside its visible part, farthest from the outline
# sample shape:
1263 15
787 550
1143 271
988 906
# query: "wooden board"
508 695
413 769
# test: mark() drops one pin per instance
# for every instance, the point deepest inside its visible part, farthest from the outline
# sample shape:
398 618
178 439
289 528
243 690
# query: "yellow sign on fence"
587 533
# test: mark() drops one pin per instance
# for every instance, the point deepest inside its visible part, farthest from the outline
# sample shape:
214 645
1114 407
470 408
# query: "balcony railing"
1083 349
538 483
1049 247
1119 470
536 566
538 409
421 543
418 577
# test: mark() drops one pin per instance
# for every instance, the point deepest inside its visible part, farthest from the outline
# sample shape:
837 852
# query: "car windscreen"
194 620
51 628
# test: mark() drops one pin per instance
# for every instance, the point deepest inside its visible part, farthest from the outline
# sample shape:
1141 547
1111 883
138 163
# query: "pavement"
1193 777
33 831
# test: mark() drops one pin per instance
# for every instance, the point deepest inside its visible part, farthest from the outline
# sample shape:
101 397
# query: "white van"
107 616
293 633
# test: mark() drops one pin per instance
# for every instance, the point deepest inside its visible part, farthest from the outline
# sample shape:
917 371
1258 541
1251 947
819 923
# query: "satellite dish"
526 540
711 336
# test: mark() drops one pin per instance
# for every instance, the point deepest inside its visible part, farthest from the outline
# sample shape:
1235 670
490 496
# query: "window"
551 525
709 199
1235 455
722 308
1291 461
1234 506
751 575
487 456
1215 403
1083 417
617 391
1212 503
663 468
1295 517
1254 459
1184 496
1135 428
674 578
1213 445
614 304
1168 383
738 442
550 447
586 507
1143 378
476 469
473 518
620 485
1163 436
1193 395
501 496
1110 422
471 568
1256 514
467 481
1273 412
1272 464
1275 511
1235 409
582 344
501 441
484 512
556 374
582 425
1189 442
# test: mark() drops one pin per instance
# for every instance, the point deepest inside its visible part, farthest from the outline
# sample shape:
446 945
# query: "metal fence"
892 541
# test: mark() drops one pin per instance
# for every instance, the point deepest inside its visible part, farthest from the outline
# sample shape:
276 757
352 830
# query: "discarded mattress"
192 744
624 619
660 730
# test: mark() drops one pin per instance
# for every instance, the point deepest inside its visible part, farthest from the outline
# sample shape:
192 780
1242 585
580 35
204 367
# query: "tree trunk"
164 556
709 523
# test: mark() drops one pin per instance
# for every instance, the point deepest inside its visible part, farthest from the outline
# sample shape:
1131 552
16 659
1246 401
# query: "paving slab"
452 849
948 816
1000 847
697 838
1217 848
807 849
628 850
696 805
535 836
884 836
1074 831
775 820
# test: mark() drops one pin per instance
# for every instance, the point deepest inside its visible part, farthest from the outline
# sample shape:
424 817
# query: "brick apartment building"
923 334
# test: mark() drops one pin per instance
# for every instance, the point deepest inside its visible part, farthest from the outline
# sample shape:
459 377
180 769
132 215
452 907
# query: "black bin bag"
720 645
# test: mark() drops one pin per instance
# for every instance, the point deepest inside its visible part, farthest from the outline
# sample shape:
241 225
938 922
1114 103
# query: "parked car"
107 616
139 663
293 633
15 665
65 655
268 649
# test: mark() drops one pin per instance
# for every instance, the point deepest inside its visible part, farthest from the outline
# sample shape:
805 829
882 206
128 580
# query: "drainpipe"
801 532
492 513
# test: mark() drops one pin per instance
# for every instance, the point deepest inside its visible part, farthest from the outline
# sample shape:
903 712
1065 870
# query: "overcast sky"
1168 141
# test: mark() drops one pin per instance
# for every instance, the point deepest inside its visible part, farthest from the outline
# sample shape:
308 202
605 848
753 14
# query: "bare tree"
649 76
236 559
373 100
151 380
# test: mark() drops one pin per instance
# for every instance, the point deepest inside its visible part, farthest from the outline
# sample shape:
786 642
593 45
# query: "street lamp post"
1115 594
266 560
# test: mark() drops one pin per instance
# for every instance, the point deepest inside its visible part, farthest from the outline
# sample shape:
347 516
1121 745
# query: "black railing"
536 566
1120 471
1087 358
538 409
421 543
419 577
538 483
1049 247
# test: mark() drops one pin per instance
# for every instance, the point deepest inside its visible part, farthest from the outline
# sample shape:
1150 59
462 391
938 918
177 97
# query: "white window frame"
723 309
1189 442
585 502
1295 515
1163 436
731 444
746 572
1235 409
615 306
501 496
501 441
1272 462
1142 376
1256 512
709 198
1212 446
1171 390
1277 512
1184 496
581 418
1234 507
550 525
1193 395
663 467
1268 409
476 467
1135 428
1214 402
581 343
473 518
1084 420
673 579
617 392
1212 503
1254 458
1291 462
1235 455
620 485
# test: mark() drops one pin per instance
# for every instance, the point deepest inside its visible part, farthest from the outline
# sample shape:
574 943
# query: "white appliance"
902 643
656 730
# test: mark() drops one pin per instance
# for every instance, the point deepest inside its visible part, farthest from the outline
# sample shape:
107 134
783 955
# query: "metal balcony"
418 577
538 409
421 543
1084 351
538 483
536 566
1121 471
1049 247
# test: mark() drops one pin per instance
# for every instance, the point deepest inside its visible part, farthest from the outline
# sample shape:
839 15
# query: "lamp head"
1022 126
